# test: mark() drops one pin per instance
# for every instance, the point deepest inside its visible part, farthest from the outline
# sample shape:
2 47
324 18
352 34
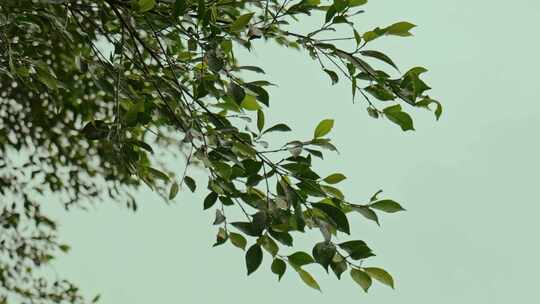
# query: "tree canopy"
95 94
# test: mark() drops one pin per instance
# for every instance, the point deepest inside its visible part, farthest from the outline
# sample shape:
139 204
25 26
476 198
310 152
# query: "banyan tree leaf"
379 55
361 278
324 127
308 279
241 22
388 206
380 275
323 253
279 267
254 257
336 215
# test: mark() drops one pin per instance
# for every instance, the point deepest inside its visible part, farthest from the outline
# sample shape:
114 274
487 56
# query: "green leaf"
361 278
173 191
221 237
64 248
357 249
380 56
236 92
278 267
425 102
380 92
142 144
279 127
300 258
397 116
336 215
367 213
323 253
388 206
179 8
158 174
238 240
340 5
145 5
400 29
190 183
250 103
334 178
260 120
94 130
268 244
380 275
357 37
323 128
210 200
333 76
330 13
353 3
308 279
254 257
255 69
373 112
338 265
219 218
283 237
246 227
241 22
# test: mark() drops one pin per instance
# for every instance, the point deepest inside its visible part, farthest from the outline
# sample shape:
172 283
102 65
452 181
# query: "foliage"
93 93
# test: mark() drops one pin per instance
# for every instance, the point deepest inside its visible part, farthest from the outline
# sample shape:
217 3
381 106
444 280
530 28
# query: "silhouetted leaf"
254 257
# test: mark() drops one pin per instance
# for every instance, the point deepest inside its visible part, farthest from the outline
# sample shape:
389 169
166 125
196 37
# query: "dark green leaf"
333 76
246 227
210 200
278 267
142 144
380 56
380 92
279 127
283 237
357 249
95 130
236 92
190 183
323 253
179 8
254 257
336 215
252 68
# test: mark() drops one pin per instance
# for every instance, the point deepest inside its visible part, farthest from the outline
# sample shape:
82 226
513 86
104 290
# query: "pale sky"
469 181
